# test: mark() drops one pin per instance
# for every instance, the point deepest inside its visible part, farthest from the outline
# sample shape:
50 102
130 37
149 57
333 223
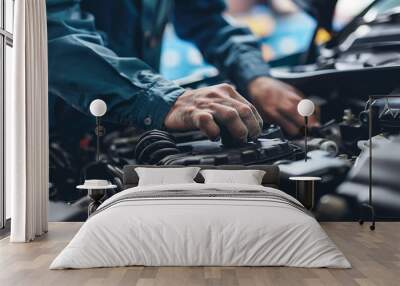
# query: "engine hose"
155 145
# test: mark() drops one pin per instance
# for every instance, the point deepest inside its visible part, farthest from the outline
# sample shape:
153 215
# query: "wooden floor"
375 257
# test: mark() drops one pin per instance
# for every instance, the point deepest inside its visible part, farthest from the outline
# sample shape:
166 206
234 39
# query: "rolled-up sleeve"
82 68
233 50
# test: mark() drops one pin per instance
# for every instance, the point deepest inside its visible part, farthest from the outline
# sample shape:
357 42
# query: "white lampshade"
98 107
305 107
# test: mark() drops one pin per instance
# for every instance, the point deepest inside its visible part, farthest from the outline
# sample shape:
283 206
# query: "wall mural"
111 51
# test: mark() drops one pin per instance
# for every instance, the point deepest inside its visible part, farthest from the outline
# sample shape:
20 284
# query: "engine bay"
361 60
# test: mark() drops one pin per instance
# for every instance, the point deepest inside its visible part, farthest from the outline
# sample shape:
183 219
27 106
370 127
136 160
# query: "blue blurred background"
282 28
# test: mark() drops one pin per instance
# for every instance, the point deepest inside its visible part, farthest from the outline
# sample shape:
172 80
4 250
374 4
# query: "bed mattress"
201 225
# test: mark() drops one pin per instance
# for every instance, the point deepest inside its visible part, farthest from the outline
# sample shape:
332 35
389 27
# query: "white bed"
224 225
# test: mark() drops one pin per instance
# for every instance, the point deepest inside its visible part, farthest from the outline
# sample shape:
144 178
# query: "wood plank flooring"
375 257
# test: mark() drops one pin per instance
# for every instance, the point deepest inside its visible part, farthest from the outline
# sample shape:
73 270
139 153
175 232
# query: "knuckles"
199 101
245 111
230 114
215 93
190 109
226 86
204 119
221 90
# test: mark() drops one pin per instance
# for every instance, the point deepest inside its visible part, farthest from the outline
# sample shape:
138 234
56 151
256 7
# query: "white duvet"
188 231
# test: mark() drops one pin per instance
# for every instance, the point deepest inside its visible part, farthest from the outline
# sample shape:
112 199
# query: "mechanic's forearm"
152 105
135 96
82 68
233 50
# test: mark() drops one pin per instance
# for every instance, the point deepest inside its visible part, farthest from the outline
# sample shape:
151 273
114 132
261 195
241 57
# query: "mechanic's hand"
205 108
277 103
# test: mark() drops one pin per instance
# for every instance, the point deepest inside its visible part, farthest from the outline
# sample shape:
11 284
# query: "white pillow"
166 176
247 177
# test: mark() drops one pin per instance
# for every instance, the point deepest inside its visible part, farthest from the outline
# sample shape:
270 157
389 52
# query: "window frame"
6 39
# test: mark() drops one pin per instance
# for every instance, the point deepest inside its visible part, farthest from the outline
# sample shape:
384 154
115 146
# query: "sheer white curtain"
27 123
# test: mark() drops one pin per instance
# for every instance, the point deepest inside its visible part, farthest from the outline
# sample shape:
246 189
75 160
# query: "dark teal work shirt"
110 49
